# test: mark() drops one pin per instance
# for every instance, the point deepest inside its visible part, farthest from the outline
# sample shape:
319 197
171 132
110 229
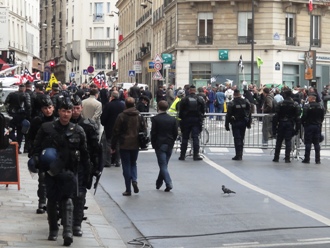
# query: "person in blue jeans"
221 97
126 131
164 131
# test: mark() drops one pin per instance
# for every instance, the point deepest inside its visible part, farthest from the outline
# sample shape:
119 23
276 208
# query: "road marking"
244 243
277 198
315 239
294 244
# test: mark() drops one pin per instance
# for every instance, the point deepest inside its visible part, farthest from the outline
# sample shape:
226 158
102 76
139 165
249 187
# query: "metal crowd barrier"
214 133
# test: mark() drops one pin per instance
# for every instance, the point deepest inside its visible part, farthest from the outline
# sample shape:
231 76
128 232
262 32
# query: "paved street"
20 226
276 205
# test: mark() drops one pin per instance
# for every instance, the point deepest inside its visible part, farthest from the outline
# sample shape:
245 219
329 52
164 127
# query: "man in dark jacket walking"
108 117
164 131
126 131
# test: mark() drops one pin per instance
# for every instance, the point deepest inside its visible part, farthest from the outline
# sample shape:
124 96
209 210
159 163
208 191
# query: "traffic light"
52 63
113 65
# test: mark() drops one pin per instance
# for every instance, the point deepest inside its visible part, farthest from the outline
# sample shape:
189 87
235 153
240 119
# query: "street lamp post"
252 44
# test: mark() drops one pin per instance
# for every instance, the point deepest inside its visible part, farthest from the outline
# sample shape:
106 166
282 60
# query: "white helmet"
181 93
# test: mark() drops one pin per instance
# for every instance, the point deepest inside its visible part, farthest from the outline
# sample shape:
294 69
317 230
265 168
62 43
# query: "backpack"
193 104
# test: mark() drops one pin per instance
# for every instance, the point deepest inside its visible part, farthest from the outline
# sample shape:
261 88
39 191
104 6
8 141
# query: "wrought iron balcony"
316 43
244 40
101 45
291 41
205 40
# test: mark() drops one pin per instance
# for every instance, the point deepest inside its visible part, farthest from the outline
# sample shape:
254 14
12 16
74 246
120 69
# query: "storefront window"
201 74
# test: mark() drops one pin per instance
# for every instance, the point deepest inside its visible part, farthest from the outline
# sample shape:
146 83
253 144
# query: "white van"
127 86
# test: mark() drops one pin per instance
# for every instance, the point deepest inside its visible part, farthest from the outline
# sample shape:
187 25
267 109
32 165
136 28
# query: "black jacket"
109 115
164 130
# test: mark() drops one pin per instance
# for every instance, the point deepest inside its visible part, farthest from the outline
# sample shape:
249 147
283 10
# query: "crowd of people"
61 129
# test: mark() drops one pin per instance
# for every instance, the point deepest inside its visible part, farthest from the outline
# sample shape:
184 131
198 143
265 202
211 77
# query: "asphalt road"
276 205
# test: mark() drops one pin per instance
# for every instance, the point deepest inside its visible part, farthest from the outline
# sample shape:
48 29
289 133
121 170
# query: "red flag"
100 80
310 5
37 75
27 76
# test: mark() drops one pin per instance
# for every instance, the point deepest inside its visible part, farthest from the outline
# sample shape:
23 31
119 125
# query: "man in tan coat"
92 108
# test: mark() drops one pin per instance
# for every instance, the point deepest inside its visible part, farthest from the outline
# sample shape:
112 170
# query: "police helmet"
47 156
46 101
181 93
32 164
25 126
66 104
75 100
50 162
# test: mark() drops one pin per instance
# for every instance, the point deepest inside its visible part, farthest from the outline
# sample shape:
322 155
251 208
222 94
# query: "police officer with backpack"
95 153
47 110
239 116
191 113
286 124
312 118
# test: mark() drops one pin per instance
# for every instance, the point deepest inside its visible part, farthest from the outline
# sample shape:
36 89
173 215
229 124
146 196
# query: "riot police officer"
239 116
18 106
286 124
191 113
37 99
312 118
47 110
95 152
61 148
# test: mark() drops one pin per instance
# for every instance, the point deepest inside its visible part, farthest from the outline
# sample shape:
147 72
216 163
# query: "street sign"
131 73
90 69
158 66
72 74
85 72
167 58
137 66
158 59
157 76
151 66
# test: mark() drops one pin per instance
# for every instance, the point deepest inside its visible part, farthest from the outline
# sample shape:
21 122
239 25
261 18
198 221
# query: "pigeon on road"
227 191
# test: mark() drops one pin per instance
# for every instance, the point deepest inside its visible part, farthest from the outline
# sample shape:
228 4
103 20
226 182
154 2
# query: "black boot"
41 193
239 151
196 156
182 155
78 214
287 159
52 220
67 219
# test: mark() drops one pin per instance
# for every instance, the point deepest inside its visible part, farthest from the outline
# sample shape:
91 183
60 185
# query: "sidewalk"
20 226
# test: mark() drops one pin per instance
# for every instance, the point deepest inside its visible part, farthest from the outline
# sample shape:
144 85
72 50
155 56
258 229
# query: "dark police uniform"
35 125
192 110
18 106
286 124
239 116
69 143
312 118
95 153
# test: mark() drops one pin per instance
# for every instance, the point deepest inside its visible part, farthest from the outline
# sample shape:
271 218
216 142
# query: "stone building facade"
207 38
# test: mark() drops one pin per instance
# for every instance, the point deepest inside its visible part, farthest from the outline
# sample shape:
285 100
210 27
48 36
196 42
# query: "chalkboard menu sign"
9 166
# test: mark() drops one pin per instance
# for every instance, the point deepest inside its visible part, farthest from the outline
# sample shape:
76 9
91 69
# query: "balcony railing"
105 45
291 41
205 40
98 17
244 40
316 43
